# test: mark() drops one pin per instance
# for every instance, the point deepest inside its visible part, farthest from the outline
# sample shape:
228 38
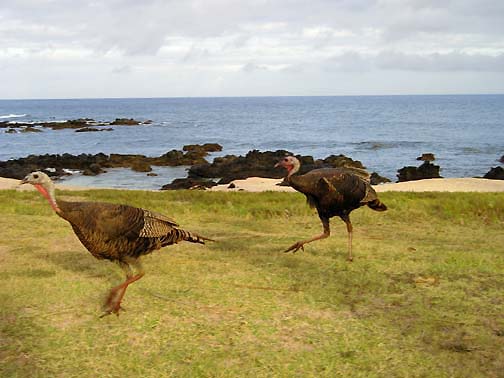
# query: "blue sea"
465 132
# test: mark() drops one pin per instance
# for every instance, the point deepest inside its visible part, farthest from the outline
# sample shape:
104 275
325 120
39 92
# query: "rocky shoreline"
57 166
203 174
80 125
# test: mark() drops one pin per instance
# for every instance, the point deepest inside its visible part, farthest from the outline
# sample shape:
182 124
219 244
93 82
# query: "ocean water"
465 132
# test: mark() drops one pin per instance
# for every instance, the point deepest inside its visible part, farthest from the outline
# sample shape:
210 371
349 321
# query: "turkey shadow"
83 263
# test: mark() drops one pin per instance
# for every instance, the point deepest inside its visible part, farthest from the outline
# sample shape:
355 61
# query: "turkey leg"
300 244
113 302
350 233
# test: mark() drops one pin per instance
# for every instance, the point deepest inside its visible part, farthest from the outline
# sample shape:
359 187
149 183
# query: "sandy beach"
260 184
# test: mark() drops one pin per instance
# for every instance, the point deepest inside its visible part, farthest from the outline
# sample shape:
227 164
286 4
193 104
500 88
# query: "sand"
7 183
259 184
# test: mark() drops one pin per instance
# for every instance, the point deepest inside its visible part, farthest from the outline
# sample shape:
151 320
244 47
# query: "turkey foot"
113 303
295 247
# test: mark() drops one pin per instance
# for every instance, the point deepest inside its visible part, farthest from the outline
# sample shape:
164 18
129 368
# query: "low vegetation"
423 298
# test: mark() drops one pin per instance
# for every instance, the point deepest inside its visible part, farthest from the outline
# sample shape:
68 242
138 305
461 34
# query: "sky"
200 48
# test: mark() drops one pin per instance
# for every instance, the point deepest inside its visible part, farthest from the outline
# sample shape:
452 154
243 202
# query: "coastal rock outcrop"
189 183
376 179
261 164
83 124
495 173
95 164
427 157
91 129
425 171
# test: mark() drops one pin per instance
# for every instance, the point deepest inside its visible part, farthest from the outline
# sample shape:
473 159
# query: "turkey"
332 191
119 233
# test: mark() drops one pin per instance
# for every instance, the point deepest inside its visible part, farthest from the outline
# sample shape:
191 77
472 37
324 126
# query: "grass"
423 298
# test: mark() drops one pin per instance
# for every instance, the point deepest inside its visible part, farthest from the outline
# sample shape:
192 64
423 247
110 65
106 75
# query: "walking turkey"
332 191
119 233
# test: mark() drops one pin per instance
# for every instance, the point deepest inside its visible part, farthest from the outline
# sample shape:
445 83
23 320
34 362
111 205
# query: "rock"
426 171
30 129
261 164
152 174
502 159
11 131
231 186
231 167
70 124
141 166
81 123
92 170
338 161
426 157
189 183
496 173
148 122
91 129
95 164
377 179
207 147
125 121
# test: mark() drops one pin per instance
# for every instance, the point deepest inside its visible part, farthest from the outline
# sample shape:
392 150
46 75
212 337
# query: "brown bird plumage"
333 192
119 233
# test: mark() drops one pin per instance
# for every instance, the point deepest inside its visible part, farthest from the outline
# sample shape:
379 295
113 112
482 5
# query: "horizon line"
251 96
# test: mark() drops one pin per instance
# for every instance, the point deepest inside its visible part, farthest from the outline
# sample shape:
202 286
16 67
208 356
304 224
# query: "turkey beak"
279 164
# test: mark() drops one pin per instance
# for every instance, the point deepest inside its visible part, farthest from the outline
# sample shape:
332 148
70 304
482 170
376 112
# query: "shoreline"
260 184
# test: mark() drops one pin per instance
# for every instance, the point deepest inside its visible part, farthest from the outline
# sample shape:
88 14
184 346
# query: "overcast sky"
167 48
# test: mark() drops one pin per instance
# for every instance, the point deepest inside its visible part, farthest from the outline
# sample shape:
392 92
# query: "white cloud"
214 40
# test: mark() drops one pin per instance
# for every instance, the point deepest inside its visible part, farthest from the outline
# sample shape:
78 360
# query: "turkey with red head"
119 233
333 192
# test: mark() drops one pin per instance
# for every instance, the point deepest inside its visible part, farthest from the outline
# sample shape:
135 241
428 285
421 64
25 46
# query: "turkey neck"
297 182
48 192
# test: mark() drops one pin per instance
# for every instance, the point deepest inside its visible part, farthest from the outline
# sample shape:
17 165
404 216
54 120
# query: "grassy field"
424 296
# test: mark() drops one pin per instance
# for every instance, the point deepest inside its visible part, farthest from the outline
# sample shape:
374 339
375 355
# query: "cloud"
397 61
278 39
437 62
121 70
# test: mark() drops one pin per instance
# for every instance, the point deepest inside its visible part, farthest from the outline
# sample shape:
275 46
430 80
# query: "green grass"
423 298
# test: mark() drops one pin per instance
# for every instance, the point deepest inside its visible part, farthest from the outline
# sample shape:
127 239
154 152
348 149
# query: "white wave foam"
12 116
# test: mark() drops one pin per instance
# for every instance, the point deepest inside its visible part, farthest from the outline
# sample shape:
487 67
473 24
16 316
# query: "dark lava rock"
427 157
11 131
141 166
70 124
189 183
261 164
207 147
125 121
92 170
96 164
80 123
502 159
30 129
92 129
426 171
496 173
377 179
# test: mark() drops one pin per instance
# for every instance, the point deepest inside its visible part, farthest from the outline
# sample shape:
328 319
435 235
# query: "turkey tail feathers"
194 238
377 205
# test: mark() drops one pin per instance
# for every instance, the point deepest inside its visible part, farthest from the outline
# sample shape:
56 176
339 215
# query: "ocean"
465 132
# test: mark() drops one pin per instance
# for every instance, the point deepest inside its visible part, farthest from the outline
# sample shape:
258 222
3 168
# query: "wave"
379 145
12 116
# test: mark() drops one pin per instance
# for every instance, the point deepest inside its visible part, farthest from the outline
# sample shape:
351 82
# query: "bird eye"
286 159
35 176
